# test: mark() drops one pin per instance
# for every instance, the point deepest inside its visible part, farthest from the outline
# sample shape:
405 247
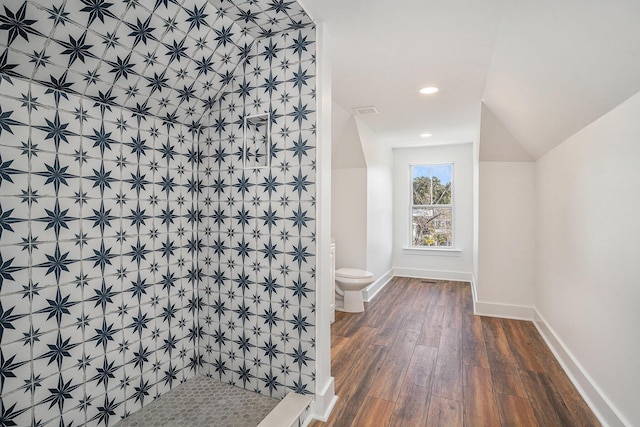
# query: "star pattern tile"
137 247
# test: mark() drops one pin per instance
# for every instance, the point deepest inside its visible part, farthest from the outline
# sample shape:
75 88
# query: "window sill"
432 251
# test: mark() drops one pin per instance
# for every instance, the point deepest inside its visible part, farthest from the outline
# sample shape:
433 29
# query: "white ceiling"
545 68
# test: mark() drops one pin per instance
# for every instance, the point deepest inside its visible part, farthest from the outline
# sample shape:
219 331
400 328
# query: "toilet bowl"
349 284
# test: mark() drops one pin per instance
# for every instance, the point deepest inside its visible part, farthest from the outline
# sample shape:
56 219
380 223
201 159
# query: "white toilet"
349 284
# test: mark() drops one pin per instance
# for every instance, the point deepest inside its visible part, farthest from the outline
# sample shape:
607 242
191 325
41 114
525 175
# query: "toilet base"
352 302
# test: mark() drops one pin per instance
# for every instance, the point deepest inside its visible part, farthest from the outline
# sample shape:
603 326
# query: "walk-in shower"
139 245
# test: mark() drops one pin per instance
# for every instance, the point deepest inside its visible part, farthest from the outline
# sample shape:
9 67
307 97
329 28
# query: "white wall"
324 398
588 252
379 203
506 239
361 196
434 263
349 216
348 191
346 149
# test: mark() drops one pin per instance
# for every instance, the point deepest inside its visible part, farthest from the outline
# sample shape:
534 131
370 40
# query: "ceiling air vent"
366 111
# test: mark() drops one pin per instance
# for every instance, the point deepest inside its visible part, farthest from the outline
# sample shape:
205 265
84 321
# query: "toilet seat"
353 273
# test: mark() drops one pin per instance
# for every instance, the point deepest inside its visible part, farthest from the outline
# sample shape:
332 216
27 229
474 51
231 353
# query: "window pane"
441 183
421 185
441 193
431 226
431 184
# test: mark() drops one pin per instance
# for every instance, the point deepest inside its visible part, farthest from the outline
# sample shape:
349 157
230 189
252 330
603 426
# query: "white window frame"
411 246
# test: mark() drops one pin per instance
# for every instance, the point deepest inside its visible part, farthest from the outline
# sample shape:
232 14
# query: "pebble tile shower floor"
203 402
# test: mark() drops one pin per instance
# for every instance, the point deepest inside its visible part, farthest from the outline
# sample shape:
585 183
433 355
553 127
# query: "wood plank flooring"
418 356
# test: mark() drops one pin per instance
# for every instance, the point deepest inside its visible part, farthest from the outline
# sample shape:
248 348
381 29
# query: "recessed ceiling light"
425 135
429 90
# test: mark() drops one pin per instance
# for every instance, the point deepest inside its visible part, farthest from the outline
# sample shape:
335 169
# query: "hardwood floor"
418 356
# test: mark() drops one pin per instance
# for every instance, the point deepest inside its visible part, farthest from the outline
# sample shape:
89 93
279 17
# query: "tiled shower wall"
101 114
258 226
97 289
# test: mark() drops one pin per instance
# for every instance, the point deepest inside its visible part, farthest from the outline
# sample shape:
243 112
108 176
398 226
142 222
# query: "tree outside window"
431 205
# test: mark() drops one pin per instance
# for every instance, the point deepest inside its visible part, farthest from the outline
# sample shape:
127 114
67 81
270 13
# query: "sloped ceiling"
168 58
544 68
496 142
559 65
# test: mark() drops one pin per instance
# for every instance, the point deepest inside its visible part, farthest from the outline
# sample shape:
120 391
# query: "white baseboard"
433 274
323 404
601 406
474 292
373 289
507 311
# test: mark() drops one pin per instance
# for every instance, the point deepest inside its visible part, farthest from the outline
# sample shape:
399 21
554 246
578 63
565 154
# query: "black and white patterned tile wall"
258 225
135 252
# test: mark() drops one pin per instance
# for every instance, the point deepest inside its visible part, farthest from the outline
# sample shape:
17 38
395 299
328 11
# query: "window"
432 205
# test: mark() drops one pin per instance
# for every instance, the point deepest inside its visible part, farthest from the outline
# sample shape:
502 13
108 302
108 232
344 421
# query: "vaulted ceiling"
544 69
